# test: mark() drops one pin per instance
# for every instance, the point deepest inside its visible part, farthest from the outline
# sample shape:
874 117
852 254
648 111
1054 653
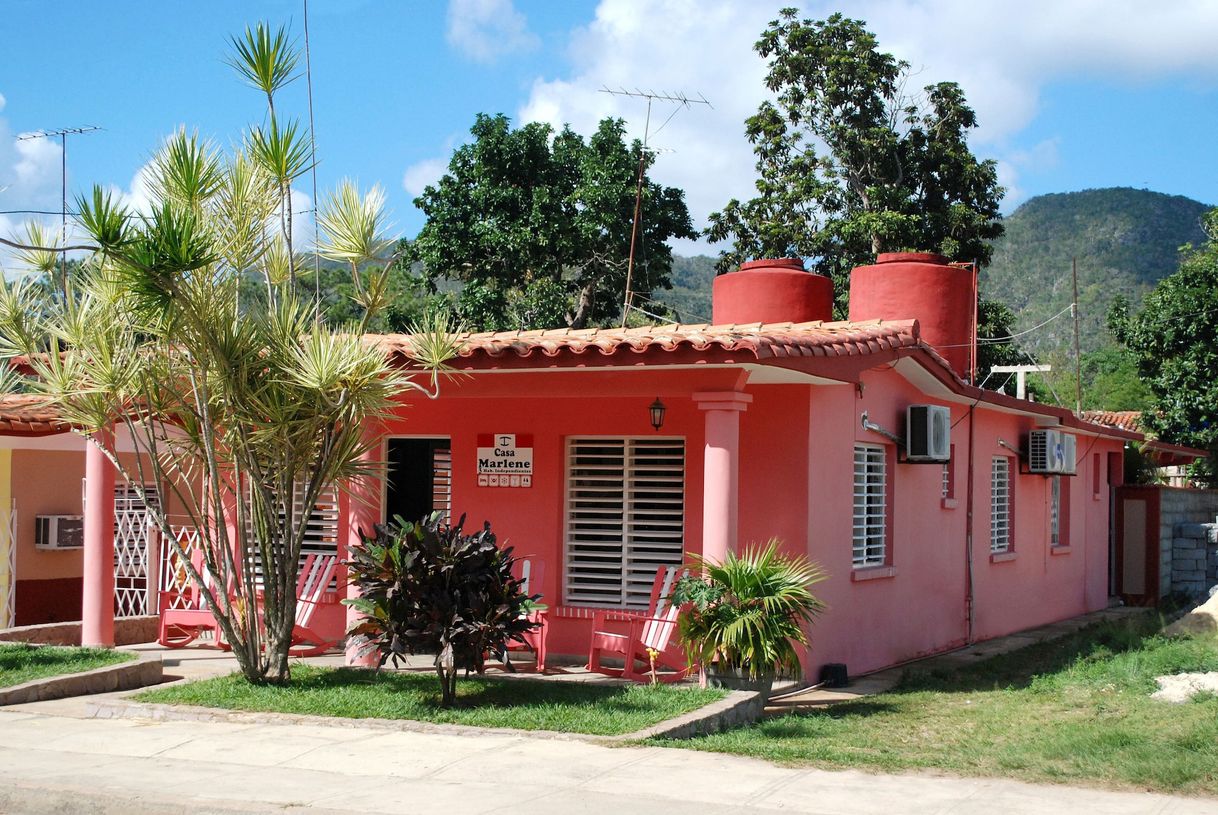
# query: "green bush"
428 588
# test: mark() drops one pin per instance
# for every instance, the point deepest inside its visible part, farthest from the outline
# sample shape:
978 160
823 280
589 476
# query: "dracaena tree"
235 408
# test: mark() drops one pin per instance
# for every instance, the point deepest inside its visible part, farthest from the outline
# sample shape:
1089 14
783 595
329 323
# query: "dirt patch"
1182 687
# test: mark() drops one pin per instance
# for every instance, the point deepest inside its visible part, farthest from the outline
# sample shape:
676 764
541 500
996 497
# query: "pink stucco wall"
795 483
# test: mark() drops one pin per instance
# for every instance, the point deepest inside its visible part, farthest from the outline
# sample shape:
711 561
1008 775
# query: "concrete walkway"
54 759
61 764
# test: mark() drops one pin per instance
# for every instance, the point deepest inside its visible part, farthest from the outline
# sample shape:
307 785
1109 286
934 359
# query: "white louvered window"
870 506
321 527
1000 505
625 518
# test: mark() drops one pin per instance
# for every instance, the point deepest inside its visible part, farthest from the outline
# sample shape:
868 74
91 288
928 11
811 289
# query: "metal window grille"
131 594
1055 510
1000 505
946 489
870 547
625 518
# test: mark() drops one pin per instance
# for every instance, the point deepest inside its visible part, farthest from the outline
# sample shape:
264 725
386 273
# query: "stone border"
127 631
739 707
137 673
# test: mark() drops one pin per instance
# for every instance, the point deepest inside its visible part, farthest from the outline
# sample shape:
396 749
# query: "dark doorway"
419 479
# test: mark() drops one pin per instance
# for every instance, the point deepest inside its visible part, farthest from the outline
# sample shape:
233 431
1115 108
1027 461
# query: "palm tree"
237 408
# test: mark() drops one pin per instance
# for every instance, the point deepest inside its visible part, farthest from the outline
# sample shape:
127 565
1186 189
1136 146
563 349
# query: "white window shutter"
625 518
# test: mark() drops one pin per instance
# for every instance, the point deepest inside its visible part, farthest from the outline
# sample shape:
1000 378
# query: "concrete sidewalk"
62 764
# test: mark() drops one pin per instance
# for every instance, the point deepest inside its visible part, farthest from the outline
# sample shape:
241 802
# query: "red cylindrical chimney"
772 291
922 286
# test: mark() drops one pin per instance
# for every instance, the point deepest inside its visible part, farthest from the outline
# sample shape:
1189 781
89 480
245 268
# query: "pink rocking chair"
640 638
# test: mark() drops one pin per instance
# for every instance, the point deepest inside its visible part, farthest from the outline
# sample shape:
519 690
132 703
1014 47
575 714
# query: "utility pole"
1078 360
63 134
1021 375
681 100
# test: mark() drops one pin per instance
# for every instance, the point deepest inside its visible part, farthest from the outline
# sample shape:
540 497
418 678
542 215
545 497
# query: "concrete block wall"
1193 549
1188 561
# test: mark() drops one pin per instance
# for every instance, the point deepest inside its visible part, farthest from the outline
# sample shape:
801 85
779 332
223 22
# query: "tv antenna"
681 101
63 134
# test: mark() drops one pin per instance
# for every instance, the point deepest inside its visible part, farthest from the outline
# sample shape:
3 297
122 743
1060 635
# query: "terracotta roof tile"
762 341
29 414
1130 420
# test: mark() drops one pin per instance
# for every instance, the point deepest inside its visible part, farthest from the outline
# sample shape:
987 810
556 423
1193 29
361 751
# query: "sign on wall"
505 460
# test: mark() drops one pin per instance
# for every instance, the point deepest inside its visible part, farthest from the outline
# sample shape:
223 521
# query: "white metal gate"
8 565
131 556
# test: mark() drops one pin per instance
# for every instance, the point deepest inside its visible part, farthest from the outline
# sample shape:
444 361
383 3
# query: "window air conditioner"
1069 458
1047 454
59 531
928 433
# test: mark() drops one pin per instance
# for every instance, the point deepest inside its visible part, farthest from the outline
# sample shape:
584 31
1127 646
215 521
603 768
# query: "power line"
62 133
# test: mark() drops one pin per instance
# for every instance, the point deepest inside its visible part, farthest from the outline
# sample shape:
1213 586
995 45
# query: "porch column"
363 512
721 466
97 593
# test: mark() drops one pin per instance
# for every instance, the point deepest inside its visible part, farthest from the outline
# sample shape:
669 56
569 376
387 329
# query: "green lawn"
22 663
570 707
1073 711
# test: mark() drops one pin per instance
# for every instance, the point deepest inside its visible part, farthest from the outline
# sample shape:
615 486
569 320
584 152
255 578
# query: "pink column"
97 594
363 500
721 456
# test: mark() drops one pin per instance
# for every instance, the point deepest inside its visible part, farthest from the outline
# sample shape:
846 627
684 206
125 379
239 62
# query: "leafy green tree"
232 406
1174 342
538 225
850 166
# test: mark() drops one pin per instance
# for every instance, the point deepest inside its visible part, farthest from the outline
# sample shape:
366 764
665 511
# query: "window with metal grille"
1059 511
948 488
625 518
870 546
1000 505
1055 510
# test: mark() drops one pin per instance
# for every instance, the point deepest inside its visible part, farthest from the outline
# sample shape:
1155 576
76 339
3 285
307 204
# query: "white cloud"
487 29
673 46
29 180
422 173
1003 55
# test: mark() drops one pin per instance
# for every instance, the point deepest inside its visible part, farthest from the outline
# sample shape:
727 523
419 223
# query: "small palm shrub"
428 588
749 612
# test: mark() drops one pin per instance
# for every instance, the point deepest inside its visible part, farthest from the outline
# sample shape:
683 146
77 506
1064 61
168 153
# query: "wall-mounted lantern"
657 410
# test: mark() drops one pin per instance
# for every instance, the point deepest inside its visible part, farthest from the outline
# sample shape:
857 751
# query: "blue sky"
1071 94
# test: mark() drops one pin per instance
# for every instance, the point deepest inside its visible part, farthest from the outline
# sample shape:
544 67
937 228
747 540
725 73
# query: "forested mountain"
1124 240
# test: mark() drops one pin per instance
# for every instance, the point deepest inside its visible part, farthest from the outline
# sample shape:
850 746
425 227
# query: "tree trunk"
583 310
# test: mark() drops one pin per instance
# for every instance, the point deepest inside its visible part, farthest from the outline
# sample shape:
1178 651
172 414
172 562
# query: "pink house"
969 516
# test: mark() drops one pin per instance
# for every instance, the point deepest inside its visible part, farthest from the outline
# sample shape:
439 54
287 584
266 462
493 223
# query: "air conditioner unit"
1047 453
928 433
59 531
1069 454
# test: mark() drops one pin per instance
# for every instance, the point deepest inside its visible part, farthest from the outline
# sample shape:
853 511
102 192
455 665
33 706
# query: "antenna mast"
63 134
682 101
